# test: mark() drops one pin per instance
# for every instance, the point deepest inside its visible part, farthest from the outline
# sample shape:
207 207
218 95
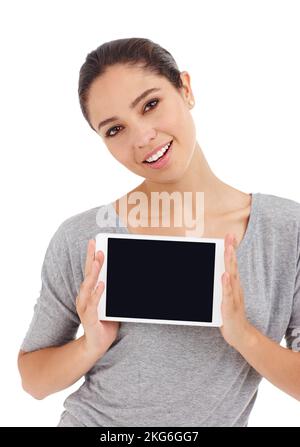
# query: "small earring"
191 102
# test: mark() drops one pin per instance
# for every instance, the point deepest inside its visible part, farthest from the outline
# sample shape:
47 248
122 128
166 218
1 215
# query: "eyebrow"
132 105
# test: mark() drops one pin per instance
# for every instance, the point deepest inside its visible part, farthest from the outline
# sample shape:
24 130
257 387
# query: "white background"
243 59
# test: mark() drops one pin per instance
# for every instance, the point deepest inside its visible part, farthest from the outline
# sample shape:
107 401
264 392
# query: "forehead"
119 78
118 87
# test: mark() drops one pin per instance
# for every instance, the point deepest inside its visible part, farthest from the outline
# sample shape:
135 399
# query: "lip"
163 161
156 150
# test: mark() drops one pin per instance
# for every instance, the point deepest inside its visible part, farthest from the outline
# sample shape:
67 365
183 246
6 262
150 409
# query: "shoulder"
74 232
279 216
281 210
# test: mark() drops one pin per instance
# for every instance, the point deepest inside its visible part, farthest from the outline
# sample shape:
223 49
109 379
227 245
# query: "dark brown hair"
132 51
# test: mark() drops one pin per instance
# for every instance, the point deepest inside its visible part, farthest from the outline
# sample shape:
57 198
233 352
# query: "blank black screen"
155 279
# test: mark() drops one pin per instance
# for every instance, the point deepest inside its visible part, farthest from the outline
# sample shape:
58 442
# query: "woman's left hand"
235 327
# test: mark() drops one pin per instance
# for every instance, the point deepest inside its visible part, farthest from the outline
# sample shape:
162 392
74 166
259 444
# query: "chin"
171 176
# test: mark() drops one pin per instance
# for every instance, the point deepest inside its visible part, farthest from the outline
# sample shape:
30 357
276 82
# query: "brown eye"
151 102
108 134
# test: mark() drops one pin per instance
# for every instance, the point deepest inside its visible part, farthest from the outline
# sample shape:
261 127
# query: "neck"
197 177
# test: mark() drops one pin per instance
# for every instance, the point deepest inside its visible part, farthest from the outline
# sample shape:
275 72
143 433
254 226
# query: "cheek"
118 155
124 157
179 120
171 118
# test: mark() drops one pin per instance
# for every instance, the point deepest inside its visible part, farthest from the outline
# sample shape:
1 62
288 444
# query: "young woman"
135 98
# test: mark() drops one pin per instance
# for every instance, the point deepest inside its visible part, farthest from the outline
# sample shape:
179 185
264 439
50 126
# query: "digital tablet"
161 279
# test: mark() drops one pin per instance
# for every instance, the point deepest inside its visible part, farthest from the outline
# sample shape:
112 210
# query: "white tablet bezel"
101 244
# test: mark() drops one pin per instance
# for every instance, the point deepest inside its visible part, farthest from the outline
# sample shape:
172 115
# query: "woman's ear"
186 90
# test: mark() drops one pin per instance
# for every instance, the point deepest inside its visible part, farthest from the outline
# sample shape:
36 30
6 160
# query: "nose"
145 138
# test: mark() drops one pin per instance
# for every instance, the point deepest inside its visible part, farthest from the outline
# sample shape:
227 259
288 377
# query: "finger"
230 267
235 243
229 237
227 258
100 259
88 312
234 264
92 278
89 284
100 256
236 281
93 302
227 290
95 297
233 258
81 299
90 256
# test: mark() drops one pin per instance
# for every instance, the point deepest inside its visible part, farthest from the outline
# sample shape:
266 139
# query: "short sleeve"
55 320
292 335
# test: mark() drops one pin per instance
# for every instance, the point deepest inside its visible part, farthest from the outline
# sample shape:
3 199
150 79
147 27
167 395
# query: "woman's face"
161 116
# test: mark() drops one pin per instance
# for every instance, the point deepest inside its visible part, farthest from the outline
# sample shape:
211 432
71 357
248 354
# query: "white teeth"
159 153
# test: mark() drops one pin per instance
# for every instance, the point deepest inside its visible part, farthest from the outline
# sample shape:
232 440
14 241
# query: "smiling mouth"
160 158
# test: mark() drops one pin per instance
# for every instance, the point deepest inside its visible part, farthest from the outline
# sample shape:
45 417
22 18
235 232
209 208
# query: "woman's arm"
279 365
48 370
52 369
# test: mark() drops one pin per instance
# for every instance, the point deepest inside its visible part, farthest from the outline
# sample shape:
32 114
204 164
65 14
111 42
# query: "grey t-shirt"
172 375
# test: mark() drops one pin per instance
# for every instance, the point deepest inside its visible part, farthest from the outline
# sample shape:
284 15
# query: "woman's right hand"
98 334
